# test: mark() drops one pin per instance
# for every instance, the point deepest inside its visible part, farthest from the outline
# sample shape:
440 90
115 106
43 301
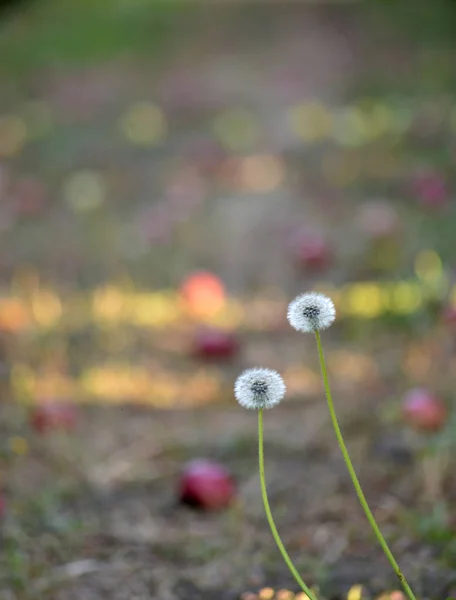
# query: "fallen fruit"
49 416
206 484
215 344
423 411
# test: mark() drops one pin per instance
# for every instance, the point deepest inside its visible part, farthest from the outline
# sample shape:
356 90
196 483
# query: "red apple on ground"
206 484
424 411
215 344
53 416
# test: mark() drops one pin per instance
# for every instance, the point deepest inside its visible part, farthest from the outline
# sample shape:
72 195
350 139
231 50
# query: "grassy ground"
140 141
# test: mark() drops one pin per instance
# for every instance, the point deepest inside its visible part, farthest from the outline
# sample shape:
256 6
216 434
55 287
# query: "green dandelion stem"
354 478
267 509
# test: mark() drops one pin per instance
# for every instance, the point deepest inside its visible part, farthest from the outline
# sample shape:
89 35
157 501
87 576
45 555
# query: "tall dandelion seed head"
259 388
311 312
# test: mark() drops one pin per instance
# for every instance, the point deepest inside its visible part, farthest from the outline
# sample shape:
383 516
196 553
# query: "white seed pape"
311 312
259 388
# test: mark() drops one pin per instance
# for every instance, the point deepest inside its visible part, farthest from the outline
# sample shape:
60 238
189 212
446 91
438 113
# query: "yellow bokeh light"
237 129
284 595
351 127
18 445
428 266
381 120
22 380
366 300
311 122
261 173
108 304
157 309
77 311
117 382
302 596
266 593
85 191
355 592
144 124
405 298
46 308
13 135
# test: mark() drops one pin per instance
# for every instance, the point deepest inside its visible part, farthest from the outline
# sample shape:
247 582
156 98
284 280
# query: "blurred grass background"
277 147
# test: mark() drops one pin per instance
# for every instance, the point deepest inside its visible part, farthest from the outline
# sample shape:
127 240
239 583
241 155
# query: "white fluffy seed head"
259 388
311 312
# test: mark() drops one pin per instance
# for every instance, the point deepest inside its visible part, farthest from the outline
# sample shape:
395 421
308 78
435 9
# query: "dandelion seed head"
311 312
259 388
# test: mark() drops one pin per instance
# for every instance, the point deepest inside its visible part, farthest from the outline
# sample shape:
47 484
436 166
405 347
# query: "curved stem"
267 509
354 478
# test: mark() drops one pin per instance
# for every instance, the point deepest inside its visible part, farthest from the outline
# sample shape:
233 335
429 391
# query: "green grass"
61 32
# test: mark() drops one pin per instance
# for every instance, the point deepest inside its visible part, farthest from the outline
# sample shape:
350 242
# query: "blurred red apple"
206 484
423 411
215 344
312 250
51 416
